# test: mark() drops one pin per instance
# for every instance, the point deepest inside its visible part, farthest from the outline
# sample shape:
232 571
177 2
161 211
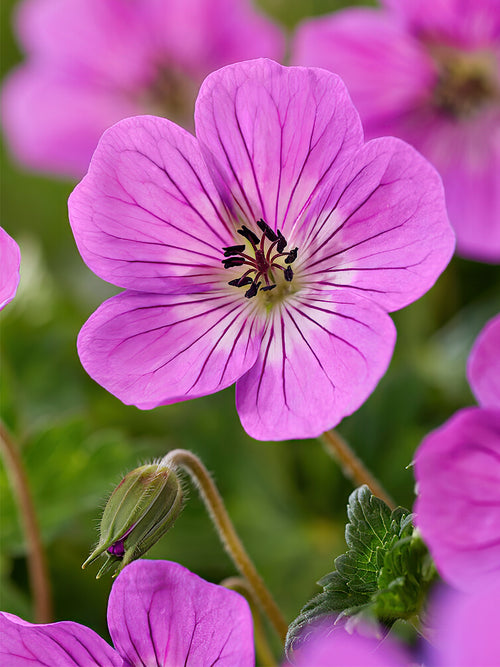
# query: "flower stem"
265 657
37 564
352 466
232 543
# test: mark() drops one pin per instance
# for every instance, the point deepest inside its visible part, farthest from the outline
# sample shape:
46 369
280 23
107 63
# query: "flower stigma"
267 271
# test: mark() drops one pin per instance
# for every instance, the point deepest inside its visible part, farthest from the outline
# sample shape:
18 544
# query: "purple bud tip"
117 549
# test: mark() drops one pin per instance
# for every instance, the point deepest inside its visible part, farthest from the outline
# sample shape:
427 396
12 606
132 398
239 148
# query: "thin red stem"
37 564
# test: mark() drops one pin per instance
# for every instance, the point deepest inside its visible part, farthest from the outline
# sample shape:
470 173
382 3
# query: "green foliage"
70 471
384 575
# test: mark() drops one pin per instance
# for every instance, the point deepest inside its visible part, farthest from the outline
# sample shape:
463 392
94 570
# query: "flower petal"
65 644
147 213
160 613
483 366
10 257
331 645
200 36
248 118
384 228
464 23
468 159
457 468
70 117
385 67
321 357
467 155
466 629
93 39
151 349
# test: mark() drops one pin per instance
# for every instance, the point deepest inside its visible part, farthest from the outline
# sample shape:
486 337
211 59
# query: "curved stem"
352 466
265 657
37 564
232 543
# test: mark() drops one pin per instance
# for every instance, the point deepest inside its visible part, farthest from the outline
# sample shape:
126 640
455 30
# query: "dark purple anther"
240 282
249 235
233 250
281 243
233 261
268 232
261 260
253 290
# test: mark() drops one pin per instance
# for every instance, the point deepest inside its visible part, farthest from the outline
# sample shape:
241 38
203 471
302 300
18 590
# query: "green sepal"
383 576
140 510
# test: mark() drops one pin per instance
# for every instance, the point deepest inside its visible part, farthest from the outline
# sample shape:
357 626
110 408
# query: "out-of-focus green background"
287 499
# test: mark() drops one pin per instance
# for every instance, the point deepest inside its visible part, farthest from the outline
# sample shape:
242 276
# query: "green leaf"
384 574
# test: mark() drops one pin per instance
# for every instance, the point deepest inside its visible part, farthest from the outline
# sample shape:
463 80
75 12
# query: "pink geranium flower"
464 634
159 614
267 251
10 260
92 62
427 71
457 468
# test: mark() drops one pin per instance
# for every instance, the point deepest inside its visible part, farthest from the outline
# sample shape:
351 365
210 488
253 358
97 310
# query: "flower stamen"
249 235
263 262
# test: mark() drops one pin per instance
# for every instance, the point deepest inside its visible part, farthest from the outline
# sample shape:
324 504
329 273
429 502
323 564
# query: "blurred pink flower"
464 634
457 468
427 71
159 614
466 628
333 646
91 63
483 367
267 251
10 260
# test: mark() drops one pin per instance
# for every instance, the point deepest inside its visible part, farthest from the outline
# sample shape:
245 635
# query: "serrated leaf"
384 573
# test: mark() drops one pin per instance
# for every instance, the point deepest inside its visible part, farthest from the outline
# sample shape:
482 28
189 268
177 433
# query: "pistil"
260 261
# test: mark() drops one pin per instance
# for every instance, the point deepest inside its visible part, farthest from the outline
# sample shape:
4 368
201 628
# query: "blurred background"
286 499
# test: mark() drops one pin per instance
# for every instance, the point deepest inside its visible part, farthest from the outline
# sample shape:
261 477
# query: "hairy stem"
352 466
232 543
37 564
265 657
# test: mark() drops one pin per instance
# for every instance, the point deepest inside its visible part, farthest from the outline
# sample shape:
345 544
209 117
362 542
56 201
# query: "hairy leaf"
383 575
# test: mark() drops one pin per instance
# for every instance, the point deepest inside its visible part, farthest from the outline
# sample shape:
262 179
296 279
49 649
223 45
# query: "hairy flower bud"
140 510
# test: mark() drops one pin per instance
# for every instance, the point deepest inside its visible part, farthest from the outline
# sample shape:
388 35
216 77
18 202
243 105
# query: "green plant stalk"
352 466
37 563
180 458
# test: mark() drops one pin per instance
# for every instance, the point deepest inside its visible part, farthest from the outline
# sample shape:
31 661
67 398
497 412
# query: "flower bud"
140 510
